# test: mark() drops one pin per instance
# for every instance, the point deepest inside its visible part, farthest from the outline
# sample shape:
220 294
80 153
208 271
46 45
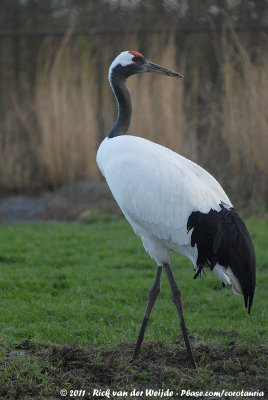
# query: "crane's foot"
177 299
152 296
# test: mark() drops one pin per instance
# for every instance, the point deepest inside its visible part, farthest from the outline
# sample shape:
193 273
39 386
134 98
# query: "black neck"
120 89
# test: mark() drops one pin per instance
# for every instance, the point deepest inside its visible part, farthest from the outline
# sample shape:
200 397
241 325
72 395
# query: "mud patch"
64 204
160 366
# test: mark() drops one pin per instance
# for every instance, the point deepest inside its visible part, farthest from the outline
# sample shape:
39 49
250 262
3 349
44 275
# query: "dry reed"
244 116
51 136
65 112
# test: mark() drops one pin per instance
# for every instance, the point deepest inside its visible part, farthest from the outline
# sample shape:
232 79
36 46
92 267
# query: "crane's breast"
155 186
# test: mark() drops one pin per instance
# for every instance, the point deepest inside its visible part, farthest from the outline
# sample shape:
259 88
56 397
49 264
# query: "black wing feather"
222 237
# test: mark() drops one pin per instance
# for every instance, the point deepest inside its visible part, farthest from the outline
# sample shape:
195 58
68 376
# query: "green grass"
86 285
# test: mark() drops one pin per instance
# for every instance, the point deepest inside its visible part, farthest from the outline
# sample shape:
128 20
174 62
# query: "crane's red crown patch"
136 53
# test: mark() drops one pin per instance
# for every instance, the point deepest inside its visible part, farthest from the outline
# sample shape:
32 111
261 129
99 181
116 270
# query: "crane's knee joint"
176 296
154 292
175 300
176 292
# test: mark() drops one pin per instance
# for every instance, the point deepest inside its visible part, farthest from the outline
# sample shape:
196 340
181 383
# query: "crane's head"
129 63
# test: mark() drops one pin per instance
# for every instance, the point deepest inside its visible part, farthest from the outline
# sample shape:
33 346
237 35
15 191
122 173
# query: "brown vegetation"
49 136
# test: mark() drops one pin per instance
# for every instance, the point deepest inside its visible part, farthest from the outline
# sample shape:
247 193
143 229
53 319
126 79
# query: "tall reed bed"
243 121
49 136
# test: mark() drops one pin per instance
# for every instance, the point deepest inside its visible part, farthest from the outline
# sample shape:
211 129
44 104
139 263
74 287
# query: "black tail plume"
222 237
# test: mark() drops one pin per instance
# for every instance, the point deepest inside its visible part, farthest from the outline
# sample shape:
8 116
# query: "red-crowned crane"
172 204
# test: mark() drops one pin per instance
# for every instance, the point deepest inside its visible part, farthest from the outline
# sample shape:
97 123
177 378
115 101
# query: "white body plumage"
157 190
171 203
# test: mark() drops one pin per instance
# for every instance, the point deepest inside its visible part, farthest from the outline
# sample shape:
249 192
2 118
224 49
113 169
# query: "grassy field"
72 297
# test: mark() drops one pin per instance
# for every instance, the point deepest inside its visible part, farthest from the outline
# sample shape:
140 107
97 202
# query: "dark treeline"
98 15
55 95
25 25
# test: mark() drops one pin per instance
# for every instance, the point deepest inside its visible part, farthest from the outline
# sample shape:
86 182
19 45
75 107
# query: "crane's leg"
152 296
177 300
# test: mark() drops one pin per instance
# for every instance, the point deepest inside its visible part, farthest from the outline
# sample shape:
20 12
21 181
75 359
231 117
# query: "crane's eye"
135 59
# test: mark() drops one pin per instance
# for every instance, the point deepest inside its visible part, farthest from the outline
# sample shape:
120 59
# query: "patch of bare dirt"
160 366
66 203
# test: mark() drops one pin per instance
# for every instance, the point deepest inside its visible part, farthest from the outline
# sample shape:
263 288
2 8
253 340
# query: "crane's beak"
150 67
